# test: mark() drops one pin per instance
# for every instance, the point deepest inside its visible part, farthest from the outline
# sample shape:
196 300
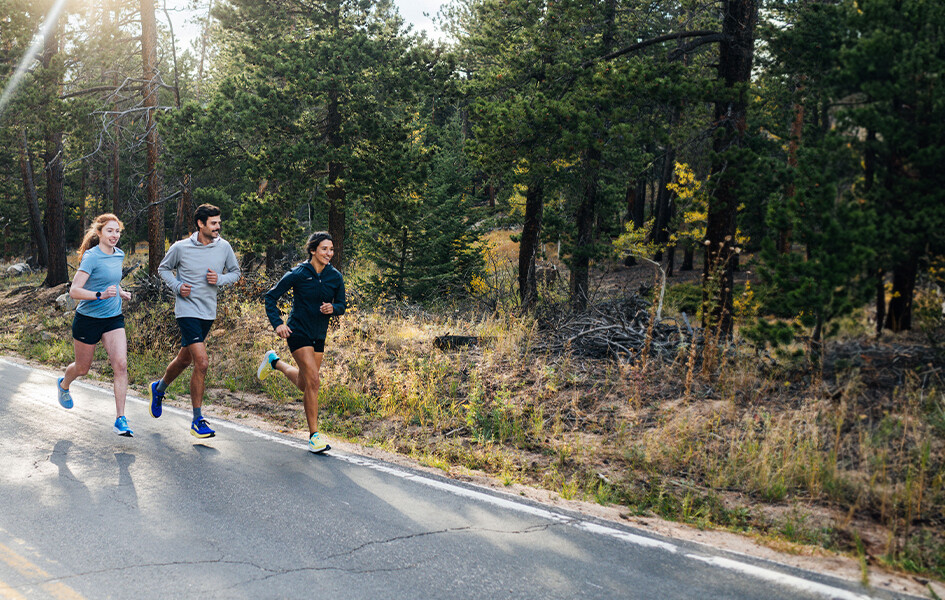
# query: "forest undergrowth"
849 457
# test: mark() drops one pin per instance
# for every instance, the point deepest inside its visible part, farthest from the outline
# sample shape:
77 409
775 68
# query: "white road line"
512 503
782 579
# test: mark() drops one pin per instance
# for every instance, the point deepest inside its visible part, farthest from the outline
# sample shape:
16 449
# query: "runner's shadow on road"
126 485
124 461
60 457
206 451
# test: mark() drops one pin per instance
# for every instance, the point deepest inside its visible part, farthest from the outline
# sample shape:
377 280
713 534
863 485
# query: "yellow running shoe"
265 367
317 444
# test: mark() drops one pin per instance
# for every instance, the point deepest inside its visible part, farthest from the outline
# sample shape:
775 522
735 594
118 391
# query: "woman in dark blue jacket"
318 293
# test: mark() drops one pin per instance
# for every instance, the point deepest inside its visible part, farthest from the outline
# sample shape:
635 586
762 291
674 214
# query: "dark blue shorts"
89 330
299 341
193 330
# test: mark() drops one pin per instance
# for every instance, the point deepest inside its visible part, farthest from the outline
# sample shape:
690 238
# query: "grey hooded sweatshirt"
191 260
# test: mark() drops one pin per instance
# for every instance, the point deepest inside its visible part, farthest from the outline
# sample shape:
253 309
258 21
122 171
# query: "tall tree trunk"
664 209
688 258
184 223
337 194
869 177
32 201
150 91
401 291
115 171
899 315
587 210
880 301
528 248
83 201
638 208
736 52
182 220
204 43
58 270
584 244
116 143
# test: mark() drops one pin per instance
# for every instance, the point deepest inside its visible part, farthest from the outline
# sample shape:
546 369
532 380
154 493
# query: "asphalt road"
85 513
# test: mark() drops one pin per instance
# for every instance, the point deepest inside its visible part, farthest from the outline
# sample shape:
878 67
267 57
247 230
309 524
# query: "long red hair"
91 237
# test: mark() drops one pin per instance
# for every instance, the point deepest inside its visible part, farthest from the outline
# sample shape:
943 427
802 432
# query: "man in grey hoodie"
203 263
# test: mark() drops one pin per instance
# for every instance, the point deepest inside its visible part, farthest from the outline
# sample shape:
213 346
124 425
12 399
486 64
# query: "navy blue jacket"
309 290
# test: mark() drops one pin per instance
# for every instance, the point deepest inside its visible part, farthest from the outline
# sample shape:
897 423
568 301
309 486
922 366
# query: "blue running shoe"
201 430
265 367
156 399
317 444
65 398
121 427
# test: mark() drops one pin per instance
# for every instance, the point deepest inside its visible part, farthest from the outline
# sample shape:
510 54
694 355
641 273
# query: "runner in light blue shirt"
97 287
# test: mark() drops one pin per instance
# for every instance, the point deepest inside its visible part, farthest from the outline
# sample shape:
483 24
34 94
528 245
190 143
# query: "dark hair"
315 239
204 212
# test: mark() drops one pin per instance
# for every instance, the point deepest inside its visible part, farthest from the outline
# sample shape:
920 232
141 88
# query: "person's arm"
167 266
77 290
339 303
231 269
272 299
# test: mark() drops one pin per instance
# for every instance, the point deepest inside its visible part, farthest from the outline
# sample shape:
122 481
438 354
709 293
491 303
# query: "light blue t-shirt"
104 270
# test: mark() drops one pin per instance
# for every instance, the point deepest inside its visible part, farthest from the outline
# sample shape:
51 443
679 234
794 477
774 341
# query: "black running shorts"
193 330
89 330
298 341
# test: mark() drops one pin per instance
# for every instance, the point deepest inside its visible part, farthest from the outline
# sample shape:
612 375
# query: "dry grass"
853 460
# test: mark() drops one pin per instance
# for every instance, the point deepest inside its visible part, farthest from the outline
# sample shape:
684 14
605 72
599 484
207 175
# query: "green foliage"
825 280
423 239
684 297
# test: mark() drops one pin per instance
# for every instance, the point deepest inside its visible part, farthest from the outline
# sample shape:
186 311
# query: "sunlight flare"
51 19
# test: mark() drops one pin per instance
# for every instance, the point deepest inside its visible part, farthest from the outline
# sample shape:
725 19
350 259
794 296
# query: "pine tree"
423 239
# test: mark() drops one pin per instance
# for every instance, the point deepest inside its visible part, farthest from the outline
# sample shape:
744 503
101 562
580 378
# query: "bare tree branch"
650 42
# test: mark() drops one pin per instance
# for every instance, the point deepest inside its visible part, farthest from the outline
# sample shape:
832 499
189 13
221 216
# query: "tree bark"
150 90
899 315
32 201
528 248
880 301
115 171
688 258
587 211
58 270
83 202
336 192
663 206
184 223
584 244
116 144
736 51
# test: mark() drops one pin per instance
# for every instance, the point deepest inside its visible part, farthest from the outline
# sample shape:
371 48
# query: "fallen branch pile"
617 329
